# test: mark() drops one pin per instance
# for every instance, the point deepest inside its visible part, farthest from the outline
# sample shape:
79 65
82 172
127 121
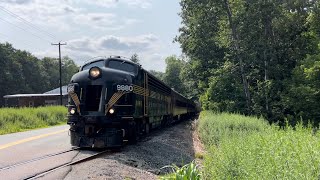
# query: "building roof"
57 91
54 92
30 95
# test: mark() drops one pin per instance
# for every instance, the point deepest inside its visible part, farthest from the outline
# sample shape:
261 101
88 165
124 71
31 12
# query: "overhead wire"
45 39
28 23
21 41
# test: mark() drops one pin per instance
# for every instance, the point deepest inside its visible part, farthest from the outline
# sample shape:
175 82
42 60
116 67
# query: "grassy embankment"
240 147
22 119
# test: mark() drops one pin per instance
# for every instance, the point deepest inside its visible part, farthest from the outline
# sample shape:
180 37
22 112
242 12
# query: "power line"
24 30
27 22
23 42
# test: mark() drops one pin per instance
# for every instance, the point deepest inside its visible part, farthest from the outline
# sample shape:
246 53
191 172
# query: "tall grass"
242 147
215 127
21 119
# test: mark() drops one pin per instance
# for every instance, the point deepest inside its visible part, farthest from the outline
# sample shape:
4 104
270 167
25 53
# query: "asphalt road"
24 146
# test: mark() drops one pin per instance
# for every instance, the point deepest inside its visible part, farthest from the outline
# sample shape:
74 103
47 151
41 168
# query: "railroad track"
42 173
66 164
37 159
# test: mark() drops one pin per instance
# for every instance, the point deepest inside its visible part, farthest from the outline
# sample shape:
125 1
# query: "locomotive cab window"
123 66
100 63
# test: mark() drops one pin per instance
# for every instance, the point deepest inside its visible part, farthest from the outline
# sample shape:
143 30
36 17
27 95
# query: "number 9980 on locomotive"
113 100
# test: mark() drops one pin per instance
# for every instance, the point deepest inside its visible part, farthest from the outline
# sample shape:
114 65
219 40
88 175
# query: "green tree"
157 74
69 68
302 96
172 74
135 58
263 42
190 81
225 91
21 72
51 66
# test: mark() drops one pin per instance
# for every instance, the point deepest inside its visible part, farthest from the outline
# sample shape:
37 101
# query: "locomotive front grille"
93 96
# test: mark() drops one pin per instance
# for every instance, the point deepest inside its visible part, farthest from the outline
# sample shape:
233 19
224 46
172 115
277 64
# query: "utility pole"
60 65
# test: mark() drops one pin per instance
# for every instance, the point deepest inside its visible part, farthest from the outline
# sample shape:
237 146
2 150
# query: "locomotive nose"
96 87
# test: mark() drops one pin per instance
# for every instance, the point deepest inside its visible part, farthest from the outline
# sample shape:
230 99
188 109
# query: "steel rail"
38 175
37 159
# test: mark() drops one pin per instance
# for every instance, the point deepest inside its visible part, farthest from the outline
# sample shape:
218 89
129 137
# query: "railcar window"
97 63
123 66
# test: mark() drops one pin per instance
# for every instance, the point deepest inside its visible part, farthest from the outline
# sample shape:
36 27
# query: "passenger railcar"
112 100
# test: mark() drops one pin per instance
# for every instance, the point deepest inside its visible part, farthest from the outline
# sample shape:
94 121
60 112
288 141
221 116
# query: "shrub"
187 172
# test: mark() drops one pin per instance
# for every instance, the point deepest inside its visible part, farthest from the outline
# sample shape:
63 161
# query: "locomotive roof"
99 58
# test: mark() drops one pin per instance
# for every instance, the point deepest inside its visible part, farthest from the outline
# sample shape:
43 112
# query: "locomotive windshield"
122 65
96 63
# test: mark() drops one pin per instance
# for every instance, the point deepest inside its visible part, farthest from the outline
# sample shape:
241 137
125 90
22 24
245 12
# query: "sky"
93 28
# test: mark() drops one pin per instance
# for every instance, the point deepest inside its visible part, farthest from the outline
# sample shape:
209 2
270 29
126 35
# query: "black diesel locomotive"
112 100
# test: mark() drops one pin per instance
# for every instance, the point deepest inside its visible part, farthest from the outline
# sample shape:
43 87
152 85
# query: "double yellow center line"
31 139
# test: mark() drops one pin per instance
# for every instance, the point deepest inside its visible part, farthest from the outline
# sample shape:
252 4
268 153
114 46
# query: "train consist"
113 100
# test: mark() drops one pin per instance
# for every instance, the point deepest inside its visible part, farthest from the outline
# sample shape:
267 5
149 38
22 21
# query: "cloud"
103 3
81 45
69 9
67 15
95 19
144 4
103 21
88 24
114 43
48 14
39 8
147 46
138 43
16 1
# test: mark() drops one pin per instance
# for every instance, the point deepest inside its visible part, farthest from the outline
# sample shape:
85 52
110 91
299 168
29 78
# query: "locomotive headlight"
111 111
72 111
94 72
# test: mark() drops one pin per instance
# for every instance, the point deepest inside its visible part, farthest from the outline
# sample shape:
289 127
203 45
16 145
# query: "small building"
49 98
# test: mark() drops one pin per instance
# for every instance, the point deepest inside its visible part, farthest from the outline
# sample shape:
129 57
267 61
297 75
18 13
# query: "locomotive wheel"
133 133
147 128
133 138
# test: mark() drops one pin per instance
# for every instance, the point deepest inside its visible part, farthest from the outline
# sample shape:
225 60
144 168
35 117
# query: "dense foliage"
241 147
253 57
22 119
21 72
178 76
